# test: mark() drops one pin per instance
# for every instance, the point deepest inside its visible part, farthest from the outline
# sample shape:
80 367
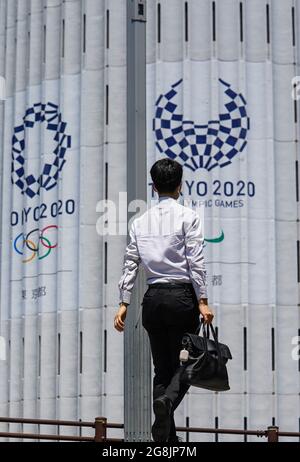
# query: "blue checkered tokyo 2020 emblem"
28 183
201 146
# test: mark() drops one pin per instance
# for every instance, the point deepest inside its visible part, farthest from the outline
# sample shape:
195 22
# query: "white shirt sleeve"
194 241
130 267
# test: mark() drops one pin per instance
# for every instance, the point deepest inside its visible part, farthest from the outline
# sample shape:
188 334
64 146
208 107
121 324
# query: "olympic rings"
42 236
33 255
35 248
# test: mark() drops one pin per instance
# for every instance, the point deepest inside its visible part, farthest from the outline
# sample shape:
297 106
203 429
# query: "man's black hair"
166 175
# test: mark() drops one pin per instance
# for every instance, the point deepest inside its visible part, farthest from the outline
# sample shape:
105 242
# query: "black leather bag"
206 364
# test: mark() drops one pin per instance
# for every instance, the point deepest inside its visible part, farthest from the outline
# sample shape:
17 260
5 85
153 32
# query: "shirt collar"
163 198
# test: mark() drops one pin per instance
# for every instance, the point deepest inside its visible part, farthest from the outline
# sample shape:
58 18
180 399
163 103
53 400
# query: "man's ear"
154 188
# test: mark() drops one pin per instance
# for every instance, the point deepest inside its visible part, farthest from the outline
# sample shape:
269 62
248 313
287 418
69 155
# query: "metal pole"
137 359
100 429
272 434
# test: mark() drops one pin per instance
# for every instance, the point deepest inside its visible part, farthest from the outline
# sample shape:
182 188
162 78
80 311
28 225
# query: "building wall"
253 273
64 359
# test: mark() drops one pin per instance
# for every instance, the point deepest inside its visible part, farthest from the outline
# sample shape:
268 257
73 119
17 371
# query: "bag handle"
206 337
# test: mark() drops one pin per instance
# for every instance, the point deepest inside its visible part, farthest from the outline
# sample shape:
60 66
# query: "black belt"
171 285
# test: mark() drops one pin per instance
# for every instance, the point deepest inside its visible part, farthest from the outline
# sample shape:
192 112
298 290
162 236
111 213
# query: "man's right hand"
205 311
119 321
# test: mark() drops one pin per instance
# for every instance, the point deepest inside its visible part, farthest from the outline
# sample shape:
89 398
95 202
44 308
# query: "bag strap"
204 334
205 330
203 325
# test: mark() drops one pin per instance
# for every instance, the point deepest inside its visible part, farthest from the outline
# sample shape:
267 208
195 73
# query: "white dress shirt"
167 240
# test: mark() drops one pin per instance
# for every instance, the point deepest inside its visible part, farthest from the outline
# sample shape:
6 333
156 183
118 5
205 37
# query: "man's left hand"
119 321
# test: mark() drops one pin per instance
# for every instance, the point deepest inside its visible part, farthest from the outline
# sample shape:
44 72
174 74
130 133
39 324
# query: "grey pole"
137 359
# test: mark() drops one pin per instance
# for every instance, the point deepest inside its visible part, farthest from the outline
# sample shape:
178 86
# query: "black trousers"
169 310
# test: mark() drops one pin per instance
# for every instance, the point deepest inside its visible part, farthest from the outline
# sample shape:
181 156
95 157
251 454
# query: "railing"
272 433
100 426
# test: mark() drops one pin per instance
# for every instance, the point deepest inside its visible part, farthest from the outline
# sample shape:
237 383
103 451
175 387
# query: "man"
168 241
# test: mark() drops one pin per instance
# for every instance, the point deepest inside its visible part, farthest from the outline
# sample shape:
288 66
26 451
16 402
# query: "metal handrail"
65 423
100 425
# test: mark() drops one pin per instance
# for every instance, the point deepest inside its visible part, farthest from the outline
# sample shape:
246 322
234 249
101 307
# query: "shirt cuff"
125 296
201 292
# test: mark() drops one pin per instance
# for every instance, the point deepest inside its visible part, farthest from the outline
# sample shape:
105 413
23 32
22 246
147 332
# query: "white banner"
216 123
41 204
